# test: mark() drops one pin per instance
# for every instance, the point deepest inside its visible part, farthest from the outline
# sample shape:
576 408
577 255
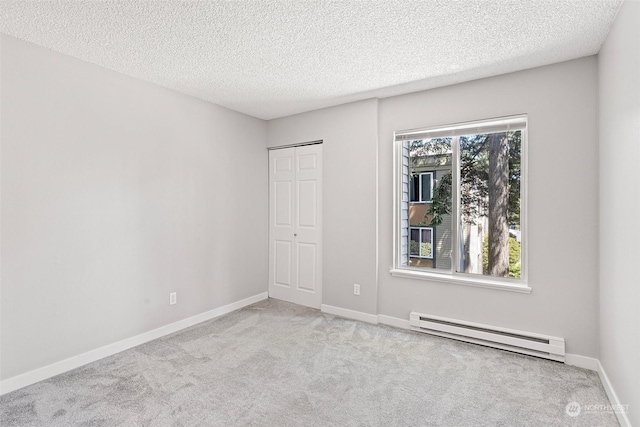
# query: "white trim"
459 280
498 124
420 228
595 365
623 419
393 321
419 191
301 144
581 361
350 314
366 317
517 122
57 368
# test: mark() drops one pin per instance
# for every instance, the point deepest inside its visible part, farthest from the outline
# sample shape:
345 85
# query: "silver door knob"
295 235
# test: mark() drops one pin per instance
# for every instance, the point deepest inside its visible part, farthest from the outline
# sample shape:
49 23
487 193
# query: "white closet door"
295 232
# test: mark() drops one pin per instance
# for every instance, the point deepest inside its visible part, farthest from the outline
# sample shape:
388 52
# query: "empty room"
320 213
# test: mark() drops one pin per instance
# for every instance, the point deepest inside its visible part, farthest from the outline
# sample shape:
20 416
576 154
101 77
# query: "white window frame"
419 189
420 228
502 124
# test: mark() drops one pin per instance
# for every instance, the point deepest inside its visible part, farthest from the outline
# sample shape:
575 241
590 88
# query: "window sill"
459 280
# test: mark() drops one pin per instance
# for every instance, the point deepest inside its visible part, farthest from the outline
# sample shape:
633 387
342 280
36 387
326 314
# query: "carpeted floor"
279 364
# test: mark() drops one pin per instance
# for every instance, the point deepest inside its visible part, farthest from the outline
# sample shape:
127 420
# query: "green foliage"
438 151
423 249
438 148
514 258
474 176
441 200
515 173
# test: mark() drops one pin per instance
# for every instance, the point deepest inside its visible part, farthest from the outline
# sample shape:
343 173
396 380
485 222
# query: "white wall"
349 255
561 104
116 192
619 62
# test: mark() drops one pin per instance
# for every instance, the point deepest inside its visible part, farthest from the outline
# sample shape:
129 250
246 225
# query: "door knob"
295 235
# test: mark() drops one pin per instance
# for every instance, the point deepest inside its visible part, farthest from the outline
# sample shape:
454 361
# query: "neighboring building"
429 245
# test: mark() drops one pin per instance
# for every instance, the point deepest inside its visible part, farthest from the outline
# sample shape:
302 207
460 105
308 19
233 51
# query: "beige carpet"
278 364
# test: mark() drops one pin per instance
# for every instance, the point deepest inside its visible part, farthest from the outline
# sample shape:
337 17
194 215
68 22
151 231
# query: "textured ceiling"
275 58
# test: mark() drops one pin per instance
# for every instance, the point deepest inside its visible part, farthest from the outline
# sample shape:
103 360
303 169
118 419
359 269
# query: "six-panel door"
295 234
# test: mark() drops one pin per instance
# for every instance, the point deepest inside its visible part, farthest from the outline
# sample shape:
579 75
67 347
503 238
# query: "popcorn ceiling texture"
271 59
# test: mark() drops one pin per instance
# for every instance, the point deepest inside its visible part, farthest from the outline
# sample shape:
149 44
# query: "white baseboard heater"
492 336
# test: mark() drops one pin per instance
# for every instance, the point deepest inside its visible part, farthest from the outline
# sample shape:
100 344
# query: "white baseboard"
613 397
595 365
349 314
366 317
581 361
58 368
393 321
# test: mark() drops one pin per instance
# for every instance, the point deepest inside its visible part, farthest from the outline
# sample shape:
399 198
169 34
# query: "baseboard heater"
502 338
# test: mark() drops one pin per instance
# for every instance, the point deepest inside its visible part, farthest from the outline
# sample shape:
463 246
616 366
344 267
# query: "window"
460 205
421 243
421 187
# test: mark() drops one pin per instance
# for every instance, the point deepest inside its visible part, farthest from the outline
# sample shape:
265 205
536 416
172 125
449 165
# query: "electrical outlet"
173 298
356 289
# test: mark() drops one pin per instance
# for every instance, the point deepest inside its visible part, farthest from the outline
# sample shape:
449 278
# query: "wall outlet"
173 298
356 289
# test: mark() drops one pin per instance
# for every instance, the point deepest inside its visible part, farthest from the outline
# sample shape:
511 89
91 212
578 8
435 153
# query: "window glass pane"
430 163
425 243
425 188
414 189
490 204
414 242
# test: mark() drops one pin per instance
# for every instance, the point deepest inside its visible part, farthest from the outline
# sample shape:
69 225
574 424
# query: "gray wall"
116 192
561 101
561 104
619 62
349 254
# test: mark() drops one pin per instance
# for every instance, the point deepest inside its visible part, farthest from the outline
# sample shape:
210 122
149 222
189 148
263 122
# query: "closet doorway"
295 224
